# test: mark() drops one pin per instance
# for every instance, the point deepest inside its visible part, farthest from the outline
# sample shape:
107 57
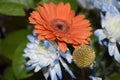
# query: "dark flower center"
60 25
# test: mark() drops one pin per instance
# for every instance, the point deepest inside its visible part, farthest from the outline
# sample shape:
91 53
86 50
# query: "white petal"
113 51
100 34
52 73
111 48
69 58
67 68
31 45
58 70
45 72
37 68
66 55
95 78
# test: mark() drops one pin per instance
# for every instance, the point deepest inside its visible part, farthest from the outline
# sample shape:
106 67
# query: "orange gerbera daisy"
58 22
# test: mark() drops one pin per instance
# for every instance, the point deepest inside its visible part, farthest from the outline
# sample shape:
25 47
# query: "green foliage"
115 77
8 74
26 3
18 66
10 43
15 7
73 3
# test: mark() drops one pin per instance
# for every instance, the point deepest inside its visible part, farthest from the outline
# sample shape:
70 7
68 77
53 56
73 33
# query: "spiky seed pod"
83 56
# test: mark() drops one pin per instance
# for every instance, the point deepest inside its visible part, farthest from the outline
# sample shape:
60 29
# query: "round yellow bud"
83 56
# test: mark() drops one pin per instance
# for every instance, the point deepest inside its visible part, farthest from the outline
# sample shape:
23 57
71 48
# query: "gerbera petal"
42 12
41 37
50 10
35 18
78 18
62 46
100 34
50 37
60 8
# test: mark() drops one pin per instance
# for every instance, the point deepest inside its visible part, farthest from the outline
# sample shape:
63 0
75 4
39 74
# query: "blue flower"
110 30
46 56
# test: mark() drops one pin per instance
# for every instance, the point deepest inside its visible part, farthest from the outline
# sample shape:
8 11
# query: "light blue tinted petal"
67 68
61 53
31 38
52 73
95 78
111 48
113 11
113 51
66 55
30 68
69 58
45 72
116 3
58 70
100 34
46 44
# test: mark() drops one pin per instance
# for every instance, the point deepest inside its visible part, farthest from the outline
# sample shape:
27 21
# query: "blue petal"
100 34
58 70
30 68
52 73
67 68
31 38
46 44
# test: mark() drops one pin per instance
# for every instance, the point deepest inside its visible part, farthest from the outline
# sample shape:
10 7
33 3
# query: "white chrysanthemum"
111 31
103 5
45 56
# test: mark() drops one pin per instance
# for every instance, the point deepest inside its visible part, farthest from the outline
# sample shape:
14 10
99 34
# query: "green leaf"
73 3
26 3
18 63
13 9
115 76
8 74
12 41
